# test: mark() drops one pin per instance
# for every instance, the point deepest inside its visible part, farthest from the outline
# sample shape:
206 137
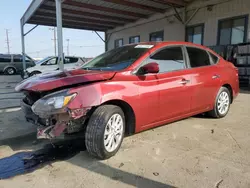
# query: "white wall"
174 30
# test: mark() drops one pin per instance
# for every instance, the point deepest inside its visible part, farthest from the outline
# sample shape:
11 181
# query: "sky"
39 43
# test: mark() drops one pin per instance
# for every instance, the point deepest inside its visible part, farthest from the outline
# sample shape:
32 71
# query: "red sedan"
128 90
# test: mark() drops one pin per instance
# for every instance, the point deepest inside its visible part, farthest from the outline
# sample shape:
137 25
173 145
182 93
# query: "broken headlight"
53 103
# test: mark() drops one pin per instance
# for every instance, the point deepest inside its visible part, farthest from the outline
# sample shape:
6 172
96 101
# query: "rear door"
173 82
70 62
205 79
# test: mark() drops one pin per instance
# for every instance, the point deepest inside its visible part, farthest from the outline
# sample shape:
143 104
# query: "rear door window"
214 58
69 60
17 58
198 57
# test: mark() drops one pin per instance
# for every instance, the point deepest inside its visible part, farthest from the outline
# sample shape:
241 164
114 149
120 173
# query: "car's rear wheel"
34 73
10 71
222 103
105 131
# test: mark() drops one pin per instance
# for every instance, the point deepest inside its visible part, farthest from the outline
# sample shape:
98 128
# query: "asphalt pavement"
12 121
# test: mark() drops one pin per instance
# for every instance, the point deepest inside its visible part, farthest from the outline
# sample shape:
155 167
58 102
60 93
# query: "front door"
173 83
148 100
49 65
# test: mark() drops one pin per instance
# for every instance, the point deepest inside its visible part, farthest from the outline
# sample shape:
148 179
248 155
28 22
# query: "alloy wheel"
223 103
113 133
10 71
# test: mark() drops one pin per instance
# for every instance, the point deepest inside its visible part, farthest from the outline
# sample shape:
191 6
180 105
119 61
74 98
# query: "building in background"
215 22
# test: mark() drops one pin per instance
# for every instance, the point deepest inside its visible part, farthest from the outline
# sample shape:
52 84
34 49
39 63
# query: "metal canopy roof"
98 15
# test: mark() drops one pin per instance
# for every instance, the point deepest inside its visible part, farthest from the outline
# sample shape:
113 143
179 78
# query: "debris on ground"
218 183
121 165
212 131
156 173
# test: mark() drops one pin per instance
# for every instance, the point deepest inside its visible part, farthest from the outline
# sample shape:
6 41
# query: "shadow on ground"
26 162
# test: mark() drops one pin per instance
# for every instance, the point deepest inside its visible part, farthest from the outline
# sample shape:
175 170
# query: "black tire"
94 136
34 73
215 112
10 71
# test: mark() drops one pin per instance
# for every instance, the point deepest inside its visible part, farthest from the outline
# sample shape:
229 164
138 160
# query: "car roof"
64 56
8 54
164 43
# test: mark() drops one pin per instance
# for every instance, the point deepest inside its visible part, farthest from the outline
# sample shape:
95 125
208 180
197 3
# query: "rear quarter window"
214 58
5 58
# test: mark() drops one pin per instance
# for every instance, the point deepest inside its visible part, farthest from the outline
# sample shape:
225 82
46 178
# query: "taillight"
237 71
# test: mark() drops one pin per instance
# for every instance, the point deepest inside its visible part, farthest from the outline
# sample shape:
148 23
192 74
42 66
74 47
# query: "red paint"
58 79
155 98
58 129
151 68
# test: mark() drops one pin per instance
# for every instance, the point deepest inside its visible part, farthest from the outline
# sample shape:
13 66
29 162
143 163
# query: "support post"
106 41
59 34
23 49
107 37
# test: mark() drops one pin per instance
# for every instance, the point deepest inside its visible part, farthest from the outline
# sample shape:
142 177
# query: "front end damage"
53 123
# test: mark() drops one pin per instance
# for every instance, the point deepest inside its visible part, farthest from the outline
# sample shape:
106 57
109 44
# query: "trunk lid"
57 79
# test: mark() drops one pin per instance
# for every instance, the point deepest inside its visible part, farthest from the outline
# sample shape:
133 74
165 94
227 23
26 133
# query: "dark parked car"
12 63
127 90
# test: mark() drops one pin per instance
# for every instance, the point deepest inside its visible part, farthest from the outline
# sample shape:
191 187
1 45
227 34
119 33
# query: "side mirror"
149 68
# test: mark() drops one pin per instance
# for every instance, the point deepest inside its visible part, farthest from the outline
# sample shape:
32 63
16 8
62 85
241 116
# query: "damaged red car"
127 90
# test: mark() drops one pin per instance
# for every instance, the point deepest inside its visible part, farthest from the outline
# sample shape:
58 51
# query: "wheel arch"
37 71
9 66
229 87
128 112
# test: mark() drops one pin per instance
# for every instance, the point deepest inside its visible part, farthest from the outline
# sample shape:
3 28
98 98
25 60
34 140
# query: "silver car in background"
12 63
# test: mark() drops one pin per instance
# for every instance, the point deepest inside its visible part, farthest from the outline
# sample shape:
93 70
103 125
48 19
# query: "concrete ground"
195 152
12 122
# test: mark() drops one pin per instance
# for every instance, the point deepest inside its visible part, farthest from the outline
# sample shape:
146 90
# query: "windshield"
117 59
43 60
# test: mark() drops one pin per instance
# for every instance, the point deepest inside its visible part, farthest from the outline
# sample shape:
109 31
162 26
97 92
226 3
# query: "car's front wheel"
222 103
105 131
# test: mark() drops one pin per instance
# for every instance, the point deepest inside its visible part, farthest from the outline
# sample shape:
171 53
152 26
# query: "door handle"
184 81
215 76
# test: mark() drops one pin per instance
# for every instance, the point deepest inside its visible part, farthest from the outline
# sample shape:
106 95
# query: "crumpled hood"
56 79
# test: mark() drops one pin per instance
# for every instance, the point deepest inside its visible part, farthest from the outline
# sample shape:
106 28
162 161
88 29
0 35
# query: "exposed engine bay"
53 125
